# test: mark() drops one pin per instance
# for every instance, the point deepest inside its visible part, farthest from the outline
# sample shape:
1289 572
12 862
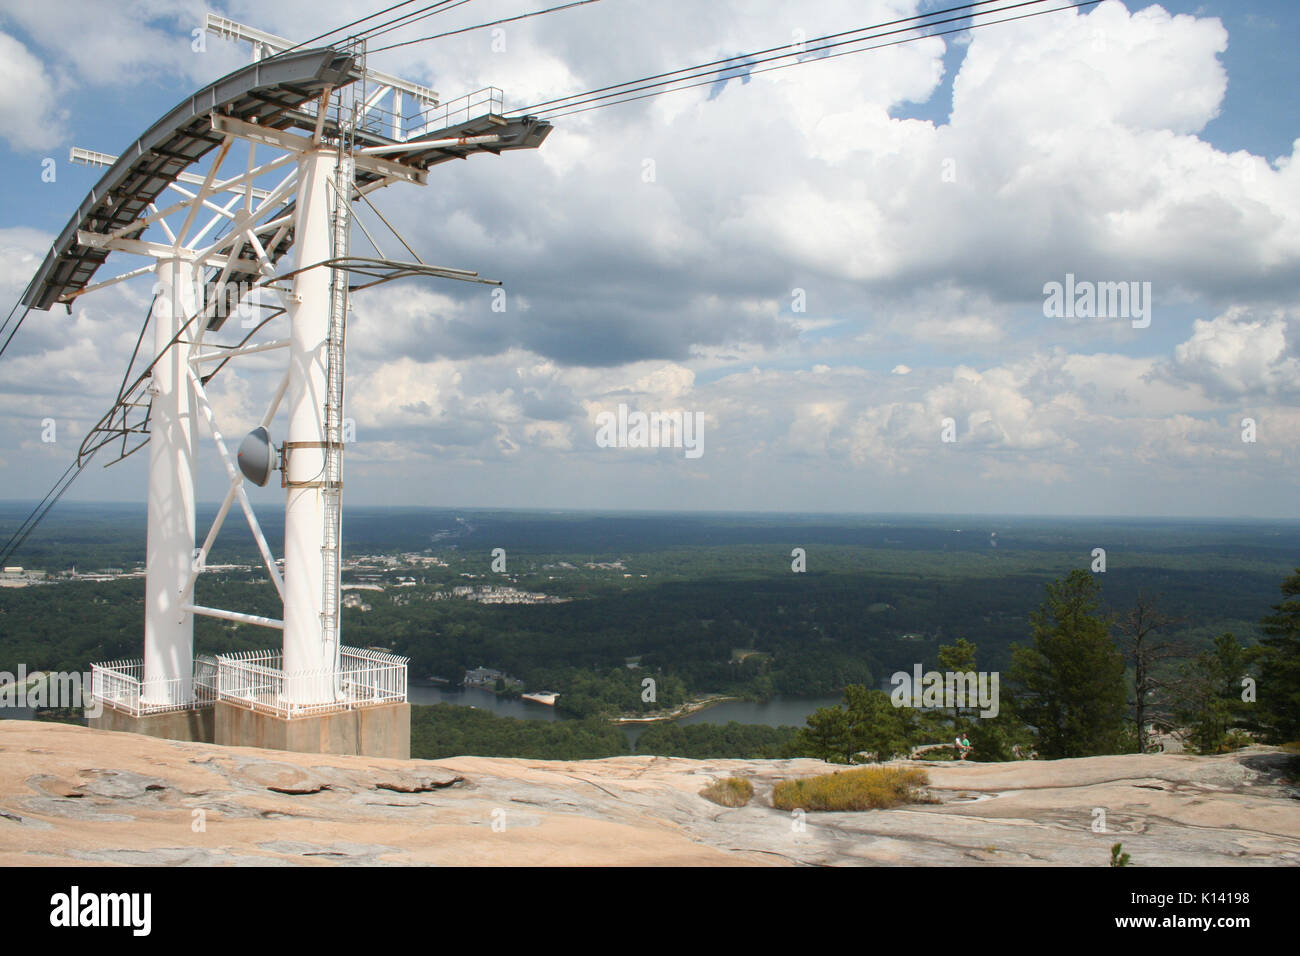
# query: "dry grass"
731 792
871 788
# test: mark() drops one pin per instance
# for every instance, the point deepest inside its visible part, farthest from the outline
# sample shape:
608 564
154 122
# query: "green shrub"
945 754
731 792
1236 739
871 788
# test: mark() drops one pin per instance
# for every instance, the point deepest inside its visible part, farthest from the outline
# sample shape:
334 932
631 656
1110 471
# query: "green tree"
958 658
875 724
1210 694
826 736
1278 713
866 722
995 738
1071 681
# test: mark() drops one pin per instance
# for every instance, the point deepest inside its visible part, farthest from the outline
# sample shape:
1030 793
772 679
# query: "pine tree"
826 736
1279 674
957 658
875 724
1210 694
1071 682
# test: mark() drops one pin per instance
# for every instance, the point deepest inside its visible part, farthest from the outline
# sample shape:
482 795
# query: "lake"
780 711
483 699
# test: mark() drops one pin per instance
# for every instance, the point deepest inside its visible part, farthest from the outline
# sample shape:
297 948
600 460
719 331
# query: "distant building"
354 600
12 576
489 677
482 675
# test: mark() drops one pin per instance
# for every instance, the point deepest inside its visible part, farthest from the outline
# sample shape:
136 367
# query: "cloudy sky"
823 263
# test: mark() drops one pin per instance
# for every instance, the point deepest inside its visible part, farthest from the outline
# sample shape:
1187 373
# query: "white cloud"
1239 354
31 116
1074 145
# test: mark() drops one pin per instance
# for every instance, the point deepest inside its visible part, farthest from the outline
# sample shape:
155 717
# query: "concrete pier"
380 731
195 725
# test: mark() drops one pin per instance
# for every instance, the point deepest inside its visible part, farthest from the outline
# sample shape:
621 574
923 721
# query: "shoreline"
685 710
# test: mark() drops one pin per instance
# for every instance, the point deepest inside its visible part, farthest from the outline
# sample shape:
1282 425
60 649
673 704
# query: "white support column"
168 627
307 647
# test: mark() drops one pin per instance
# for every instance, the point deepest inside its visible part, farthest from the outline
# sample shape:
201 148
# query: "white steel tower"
290 142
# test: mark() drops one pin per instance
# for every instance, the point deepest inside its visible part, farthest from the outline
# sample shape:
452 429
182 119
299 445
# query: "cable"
414 17
274 312
743 56
5 325
121 390
84 457
387 26
29 525
565 108
17 325
27 311
782 66
480 26
353 23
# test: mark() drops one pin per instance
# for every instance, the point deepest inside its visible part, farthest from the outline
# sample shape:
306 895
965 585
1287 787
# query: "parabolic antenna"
256 456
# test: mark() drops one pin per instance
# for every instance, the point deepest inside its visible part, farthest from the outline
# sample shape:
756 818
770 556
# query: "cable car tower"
291 142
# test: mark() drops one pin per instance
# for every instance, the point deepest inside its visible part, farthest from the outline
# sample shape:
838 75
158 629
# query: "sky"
841 272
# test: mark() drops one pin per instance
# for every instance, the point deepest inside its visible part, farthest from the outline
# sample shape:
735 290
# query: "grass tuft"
871 788
731 792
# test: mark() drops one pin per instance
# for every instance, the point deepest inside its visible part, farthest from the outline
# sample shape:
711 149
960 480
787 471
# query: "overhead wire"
786 47
378 13
17 305
17 326
42 509
743 69
387 26
414 17
480 26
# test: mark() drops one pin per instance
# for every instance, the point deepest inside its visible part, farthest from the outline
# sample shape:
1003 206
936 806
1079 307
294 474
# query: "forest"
636 614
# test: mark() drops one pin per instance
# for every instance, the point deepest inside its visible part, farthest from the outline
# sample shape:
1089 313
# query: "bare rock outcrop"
73 795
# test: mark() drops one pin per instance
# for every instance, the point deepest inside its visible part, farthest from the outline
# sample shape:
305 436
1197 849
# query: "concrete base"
195 726
381 731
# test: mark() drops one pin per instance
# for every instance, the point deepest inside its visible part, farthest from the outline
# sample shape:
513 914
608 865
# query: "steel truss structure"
291 142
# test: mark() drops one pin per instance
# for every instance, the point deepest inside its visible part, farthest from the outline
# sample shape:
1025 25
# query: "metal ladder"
332 486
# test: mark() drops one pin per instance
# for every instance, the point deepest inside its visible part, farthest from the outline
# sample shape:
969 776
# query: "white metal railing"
414 117
484 102
205 679
257 679
121 685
